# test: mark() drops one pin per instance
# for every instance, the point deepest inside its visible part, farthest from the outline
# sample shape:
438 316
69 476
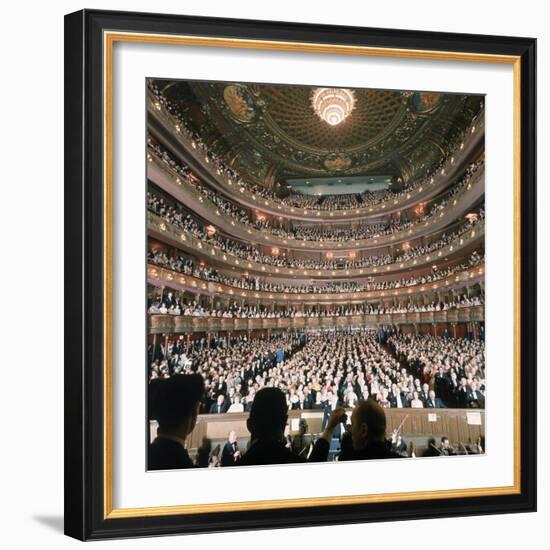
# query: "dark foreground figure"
176 407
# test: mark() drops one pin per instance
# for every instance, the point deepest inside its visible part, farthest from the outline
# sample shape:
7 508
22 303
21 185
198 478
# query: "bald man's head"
368 424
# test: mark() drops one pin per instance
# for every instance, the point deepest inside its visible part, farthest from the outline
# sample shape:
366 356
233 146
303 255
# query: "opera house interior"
326 242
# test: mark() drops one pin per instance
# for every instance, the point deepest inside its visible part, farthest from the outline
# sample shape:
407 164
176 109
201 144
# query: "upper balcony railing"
168 179
159 276
187 241
181 324
197 157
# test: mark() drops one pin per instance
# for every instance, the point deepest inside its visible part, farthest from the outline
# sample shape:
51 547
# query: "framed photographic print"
300 274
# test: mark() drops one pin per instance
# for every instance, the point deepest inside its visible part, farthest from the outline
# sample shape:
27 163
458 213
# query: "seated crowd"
172 304
329 368
185 265
250 252
327 203
357 231
457 367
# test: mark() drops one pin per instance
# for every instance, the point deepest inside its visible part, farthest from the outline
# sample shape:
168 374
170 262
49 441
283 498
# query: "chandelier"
333 105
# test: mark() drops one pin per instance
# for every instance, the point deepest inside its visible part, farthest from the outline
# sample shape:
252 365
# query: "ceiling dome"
288 110
275 132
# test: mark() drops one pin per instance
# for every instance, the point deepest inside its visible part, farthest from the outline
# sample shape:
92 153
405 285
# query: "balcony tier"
174 236
167 179
158 276
180 324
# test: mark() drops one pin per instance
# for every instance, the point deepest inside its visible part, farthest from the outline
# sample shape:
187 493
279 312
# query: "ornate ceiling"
271 132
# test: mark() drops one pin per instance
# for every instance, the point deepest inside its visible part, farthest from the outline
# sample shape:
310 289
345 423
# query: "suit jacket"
462 395
301 406
477 400
423 396
228 454
167 454
300 444
441 384
218 409
393 401
431 451
327 411
437 404
270 451
373 451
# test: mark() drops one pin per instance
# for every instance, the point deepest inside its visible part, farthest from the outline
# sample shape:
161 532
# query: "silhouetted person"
203 453
368 433
176 407
154 386
431 449
266 424
346 447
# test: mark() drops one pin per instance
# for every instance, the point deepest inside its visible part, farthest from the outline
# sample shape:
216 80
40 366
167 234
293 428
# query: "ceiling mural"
424 102
273 129
240 103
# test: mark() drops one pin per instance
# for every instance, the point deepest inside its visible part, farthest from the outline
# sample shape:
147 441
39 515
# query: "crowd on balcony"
445 239
452 149
251 253
180 304
187 266
358 231
351 201
327 203
328 369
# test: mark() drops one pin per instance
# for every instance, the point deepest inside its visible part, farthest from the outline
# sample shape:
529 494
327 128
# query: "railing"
180 324
461 426
181 239
159 276
166 178
278 208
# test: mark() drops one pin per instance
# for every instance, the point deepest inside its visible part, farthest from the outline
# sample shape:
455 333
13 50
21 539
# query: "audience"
361 437
328 368
271 377
187 266
252 253
188 306
312 232
454 368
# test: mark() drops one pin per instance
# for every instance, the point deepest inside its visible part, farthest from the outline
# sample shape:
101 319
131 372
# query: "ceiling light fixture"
333 105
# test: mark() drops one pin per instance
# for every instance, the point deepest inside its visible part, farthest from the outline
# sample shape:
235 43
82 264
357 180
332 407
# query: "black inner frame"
84 514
